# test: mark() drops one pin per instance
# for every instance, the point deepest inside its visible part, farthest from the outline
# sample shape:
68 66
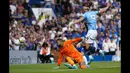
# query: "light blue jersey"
90 18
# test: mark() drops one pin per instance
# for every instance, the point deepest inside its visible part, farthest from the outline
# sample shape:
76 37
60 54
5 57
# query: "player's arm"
82 51
77 21
76 40
104 9
60 59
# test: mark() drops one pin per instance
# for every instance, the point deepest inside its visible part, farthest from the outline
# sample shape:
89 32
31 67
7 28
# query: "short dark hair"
45 44
59 40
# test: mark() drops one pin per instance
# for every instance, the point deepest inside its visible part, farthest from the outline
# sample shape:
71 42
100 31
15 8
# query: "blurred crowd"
26 34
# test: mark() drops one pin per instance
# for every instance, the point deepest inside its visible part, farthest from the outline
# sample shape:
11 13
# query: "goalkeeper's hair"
60 40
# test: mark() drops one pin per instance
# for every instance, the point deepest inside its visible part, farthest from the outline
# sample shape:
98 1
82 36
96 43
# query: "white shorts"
91 36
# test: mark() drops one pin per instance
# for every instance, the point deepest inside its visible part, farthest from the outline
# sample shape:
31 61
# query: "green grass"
96 67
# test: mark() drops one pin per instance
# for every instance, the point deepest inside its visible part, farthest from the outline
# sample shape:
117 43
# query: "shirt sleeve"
60 59
96 12
76 40
84 15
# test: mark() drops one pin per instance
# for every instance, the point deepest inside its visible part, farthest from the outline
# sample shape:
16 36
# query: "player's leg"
94 35
80 60
100 52
70 61
91 51
89 40
86 62
82 63
71 64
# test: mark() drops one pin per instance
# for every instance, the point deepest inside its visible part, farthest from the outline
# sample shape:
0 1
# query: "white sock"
85 59
90 57
100 51
74 65
52 59
95 45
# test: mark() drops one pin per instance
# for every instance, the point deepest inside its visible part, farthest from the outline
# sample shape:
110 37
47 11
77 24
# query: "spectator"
109 16
78 26
23 44
73 14
103 3
49 57
52 33
114 3
100 42
80 13
84 32
33 20
11 47
13 8
112 47
65 28
26 5
42 53
20 8
105 46
16 42
60 32
47 4
76 34
114 10
115 38
95 2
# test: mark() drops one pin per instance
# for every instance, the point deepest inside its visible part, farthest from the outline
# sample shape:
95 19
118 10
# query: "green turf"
96 67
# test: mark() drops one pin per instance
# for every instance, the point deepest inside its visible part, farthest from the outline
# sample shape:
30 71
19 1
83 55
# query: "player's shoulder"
89 12
86 14
67 41
92 11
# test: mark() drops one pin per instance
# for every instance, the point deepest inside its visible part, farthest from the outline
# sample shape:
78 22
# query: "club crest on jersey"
67 45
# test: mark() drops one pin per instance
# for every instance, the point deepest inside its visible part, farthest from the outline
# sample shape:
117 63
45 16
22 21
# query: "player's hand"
82 38
57 67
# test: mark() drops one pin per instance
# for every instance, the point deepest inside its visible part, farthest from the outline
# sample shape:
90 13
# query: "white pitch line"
81 69
64 70
109 67
105 67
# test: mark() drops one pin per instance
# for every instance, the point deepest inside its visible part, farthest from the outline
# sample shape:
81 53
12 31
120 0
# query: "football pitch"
96 67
